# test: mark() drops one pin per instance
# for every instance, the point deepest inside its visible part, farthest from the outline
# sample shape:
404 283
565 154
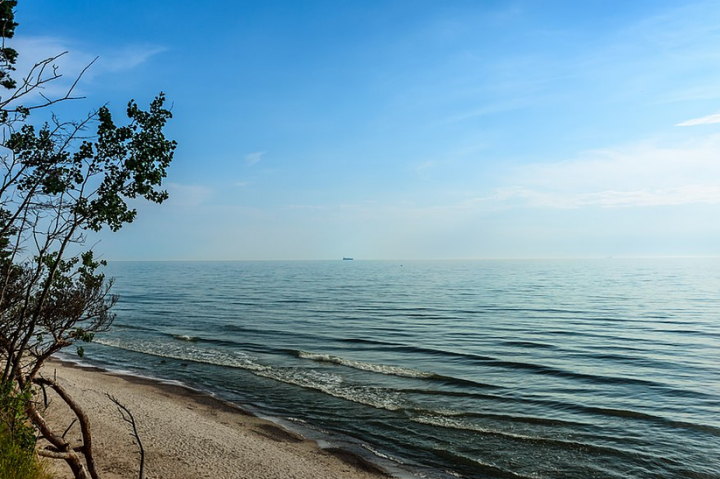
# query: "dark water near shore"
488 369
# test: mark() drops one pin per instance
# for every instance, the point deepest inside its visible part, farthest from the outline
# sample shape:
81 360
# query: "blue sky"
410 129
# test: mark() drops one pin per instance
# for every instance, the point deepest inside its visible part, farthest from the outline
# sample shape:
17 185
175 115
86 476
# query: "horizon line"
499 258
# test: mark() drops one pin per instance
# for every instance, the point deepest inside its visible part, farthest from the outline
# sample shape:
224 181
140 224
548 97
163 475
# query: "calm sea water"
487 369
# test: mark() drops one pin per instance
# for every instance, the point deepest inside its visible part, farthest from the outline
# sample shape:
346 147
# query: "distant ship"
347 259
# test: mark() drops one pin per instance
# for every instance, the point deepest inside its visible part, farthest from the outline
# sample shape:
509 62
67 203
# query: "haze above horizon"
409 129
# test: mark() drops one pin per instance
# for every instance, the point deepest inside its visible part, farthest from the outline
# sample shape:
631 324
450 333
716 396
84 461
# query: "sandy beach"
187 435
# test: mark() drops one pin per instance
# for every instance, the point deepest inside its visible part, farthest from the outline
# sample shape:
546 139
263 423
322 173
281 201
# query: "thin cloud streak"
630 167
682 195
36 48
130 57
71 61
642 174
705 120
254 158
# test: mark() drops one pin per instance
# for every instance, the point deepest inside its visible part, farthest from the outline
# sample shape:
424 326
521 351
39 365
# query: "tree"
59 182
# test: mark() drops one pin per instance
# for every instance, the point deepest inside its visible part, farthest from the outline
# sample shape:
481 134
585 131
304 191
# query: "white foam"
328 383
184 337
185 352
364 366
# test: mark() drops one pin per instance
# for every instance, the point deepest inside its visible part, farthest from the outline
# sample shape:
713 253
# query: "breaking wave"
364 366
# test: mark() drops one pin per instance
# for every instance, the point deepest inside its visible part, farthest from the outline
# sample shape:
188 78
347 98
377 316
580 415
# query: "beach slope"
187 435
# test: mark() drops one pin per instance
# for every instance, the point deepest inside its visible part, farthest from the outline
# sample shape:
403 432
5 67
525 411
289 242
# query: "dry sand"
186 435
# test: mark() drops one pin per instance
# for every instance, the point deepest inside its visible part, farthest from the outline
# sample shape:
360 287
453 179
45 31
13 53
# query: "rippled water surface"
488 369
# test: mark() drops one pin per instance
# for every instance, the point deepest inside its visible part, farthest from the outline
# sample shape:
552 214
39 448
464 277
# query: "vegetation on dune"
17 438
60 180
16 461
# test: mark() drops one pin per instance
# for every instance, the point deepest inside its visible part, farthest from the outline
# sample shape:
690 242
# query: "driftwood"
59 447
128 418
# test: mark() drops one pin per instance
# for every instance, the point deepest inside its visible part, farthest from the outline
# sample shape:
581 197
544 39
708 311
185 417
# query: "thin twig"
128 418
68 428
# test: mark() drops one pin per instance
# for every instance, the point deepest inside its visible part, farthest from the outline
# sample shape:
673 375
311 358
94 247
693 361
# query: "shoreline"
189 434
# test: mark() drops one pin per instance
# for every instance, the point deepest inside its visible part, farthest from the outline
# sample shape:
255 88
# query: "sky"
408 129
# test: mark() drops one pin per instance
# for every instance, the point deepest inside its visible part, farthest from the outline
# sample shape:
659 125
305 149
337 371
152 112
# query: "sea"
567 369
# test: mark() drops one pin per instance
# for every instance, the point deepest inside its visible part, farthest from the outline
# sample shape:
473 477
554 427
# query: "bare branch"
59 442
130 419
36 79
68 428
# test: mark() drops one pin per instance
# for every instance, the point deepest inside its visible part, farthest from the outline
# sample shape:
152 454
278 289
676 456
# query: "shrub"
17 438
16 461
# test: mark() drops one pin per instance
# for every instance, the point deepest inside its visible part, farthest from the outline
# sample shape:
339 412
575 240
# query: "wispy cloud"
638 175
253 158
35 48
76 58
705 120
682 195
425 165
129 57
634 175
633 166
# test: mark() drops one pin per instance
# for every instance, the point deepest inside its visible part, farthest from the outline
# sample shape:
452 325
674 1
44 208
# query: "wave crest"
364 366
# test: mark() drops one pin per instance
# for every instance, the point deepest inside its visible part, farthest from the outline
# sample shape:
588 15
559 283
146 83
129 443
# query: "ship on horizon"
347 259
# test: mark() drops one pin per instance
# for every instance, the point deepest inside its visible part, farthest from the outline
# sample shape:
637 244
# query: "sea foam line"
330 384
364 366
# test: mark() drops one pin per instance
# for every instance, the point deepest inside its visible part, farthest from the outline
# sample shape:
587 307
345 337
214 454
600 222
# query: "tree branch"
130 419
